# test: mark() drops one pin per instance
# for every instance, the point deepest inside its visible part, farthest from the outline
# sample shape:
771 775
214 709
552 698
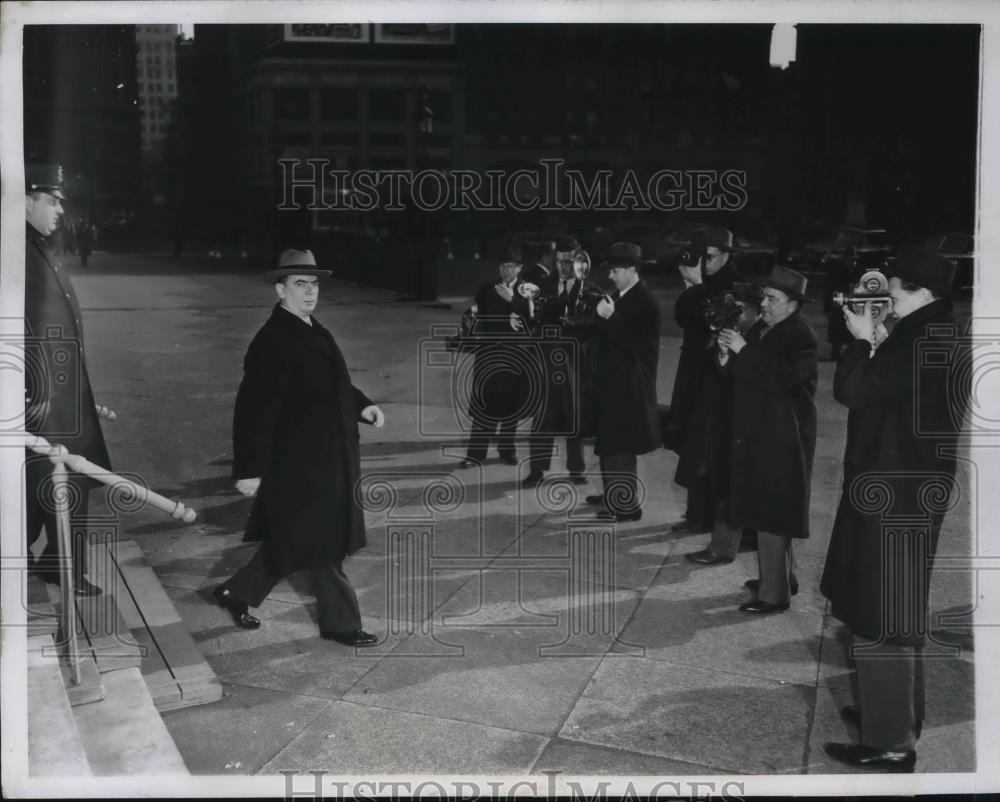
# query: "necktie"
562 288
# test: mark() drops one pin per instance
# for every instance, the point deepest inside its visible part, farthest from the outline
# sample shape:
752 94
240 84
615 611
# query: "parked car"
960 249
754 256
846 249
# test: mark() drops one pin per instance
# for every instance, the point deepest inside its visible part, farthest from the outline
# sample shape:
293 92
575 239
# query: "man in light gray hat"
296 451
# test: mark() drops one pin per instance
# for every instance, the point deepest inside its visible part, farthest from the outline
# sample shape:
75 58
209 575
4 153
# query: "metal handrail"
61 459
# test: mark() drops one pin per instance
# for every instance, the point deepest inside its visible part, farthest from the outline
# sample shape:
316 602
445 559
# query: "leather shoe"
597 499
468 462
237 609
852 715
759 606
578 478
754 585
82 587
708 557
508 459
533 479
356 638
867 757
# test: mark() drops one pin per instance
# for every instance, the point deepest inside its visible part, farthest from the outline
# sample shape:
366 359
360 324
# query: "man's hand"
691 275
516 322
504 291
374 416
881 332
248 487
731 341
860 326
606 307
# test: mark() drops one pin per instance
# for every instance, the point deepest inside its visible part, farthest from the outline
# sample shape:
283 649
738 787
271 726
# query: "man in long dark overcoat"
774 372
710 277
296 450
908 395
499 382
59 399
560 361
626 355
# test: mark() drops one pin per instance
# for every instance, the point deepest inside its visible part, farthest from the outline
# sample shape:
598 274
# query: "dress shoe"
597 499
508 459
619 517
689 528
867 757
852 715
468 463
754 585
759 606
533 479
358 637
237 609
82 587
578 478
707 557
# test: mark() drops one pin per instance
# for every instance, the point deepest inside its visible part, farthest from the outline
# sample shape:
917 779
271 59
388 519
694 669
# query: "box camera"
723 312
872 288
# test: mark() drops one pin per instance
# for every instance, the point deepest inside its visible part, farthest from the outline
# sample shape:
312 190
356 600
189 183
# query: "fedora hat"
623 254
789 281
293 262
924 268
714 236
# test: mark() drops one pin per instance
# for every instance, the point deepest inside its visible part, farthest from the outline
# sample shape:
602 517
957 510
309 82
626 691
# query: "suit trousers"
483 431
725 537
337 608
40 512
774 561
541 453
621 484
890 694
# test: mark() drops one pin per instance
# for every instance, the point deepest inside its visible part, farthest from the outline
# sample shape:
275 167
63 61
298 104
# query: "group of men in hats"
588 380
744 404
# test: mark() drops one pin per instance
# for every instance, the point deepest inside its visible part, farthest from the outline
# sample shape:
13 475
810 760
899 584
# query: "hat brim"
794 296
609 265
285 272
55 192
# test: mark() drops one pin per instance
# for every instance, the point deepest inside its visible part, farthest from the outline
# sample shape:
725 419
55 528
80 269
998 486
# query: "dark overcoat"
296 427
692 365
499 379
774 428
60 400
906 410
626 354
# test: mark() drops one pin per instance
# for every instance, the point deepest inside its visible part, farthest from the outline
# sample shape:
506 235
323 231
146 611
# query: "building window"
387 105
291 103
340 104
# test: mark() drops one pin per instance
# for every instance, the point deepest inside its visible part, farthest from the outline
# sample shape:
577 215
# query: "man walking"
296 451
905 416
60 410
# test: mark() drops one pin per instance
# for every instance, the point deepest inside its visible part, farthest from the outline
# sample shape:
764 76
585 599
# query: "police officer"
63 412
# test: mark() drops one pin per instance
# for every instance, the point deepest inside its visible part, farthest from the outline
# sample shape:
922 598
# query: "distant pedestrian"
296 451
85 235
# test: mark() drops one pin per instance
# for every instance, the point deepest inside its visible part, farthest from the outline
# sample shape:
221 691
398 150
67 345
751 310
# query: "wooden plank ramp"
175 672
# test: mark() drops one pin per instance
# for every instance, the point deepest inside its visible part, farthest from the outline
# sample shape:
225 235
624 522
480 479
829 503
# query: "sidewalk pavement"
520 637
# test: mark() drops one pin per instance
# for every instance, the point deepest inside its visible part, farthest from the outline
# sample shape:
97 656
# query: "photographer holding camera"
708 273
707 452
902 432
774 370
561 408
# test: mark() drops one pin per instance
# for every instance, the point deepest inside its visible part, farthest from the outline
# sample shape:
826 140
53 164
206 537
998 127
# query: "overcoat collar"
913 324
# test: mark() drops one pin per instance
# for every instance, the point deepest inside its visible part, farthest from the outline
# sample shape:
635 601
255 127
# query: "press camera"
872 288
